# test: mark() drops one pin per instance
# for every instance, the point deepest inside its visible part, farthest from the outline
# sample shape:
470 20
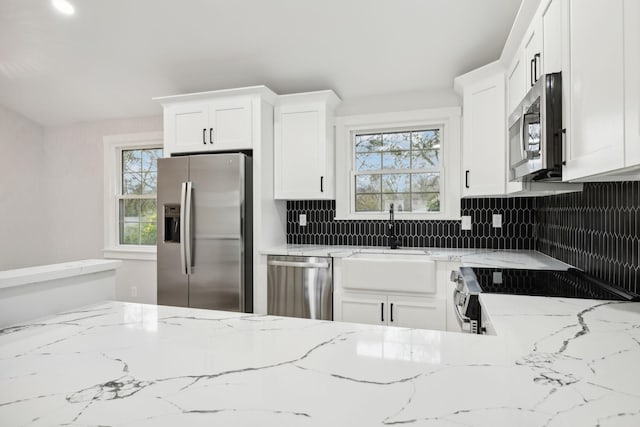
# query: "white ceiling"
113 56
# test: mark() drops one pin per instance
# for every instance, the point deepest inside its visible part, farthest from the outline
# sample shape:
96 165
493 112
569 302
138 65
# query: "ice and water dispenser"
172 223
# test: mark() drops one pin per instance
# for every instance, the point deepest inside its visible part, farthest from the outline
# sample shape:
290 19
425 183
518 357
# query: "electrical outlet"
497 220
302 220
466 222
134 291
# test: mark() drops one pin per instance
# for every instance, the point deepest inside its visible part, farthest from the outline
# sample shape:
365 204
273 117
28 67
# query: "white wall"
73 193
22 206
403 101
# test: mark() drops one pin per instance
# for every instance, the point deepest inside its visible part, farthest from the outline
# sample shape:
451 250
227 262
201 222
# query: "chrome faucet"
391 230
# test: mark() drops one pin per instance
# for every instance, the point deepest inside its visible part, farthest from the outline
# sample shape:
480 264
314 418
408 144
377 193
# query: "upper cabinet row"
596 46
600 68
214 121
232 120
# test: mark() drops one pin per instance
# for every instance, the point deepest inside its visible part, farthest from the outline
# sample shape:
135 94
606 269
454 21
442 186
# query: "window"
131 175
408 158
137 198
400 168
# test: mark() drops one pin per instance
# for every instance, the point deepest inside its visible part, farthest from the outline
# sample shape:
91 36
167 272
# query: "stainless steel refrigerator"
205 232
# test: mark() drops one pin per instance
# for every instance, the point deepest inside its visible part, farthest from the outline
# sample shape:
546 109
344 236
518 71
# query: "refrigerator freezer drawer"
300 287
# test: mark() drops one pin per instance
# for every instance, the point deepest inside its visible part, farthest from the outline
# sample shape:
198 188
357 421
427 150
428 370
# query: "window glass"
137 199
403 168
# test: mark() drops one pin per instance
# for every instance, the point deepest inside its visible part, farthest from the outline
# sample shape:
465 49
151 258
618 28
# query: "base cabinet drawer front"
415 312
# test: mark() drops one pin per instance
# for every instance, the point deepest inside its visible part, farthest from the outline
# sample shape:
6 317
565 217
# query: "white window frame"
114 145
446 119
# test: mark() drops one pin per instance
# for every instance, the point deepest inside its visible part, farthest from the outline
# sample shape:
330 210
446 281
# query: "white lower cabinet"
356 307
388 309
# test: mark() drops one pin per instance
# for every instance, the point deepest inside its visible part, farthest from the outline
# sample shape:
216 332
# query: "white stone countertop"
554 362
495 258
43 273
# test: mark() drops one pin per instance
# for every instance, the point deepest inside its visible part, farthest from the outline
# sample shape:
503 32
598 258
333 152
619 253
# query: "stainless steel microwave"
535 133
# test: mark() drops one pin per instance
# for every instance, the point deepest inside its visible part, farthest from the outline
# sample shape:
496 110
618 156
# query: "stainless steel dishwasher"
299 286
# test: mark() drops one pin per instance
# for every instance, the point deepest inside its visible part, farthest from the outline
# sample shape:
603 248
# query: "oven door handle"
463 321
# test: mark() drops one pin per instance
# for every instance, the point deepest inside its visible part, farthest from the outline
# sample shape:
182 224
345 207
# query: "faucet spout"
391 230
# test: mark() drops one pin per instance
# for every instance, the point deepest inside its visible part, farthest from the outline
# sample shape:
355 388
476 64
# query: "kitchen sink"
400 270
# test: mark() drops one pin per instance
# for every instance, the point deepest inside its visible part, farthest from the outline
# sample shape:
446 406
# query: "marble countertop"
495 258
554 362
43 273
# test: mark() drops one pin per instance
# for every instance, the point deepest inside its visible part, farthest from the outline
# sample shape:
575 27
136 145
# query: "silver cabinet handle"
299 264
187 227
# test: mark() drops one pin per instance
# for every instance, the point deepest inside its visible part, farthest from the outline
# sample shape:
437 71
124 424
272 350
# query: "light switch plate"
466 222
497 220
302 220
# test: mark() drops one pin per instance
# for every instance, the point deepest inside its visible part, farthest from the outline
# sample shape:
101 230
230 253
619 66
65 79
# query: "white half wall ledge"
43 273
33 292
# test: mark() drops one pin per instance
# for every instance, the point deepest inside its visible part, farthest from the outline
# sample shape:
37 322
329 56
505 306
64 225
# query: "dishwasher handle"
298 264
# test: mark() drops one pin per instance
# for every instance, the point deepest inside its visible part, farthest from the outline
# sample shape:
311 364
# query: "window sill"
135 253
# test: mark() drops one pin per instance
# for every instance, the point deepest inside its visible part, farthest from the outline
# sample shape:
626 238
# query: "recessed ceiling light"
64 7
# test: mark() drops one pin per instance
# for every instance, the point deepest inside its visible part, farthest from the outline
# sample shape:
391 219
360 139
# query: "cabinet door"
515 82
366 308
186 128
595 134
632 81
300 153
552 37
416 312
230 124
533 52
484 148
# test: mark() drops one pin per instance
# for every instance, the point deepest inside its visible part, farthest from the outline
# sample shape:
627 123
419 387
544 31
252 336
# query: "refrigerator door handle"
187 227
183 191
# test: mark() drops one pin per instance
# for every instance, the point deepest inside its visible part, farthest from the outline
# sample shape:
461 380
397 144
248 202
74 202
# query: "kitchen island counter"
554 362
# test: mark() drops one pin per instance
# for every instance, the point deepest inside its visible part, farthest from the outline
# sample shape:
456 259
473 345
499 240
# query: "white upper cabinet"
632 81
551 26
595 84
596 46
483 131
212 121
539 52
516 88
304 165
532 51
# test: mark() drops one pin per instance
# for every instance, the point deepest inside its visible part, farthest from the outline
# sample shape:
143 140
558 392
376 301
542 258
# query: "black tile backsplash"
517 230
597 230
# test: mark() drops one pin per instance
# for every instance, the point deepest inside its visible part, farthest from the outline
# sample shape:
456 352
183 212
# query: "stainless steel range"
571 283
